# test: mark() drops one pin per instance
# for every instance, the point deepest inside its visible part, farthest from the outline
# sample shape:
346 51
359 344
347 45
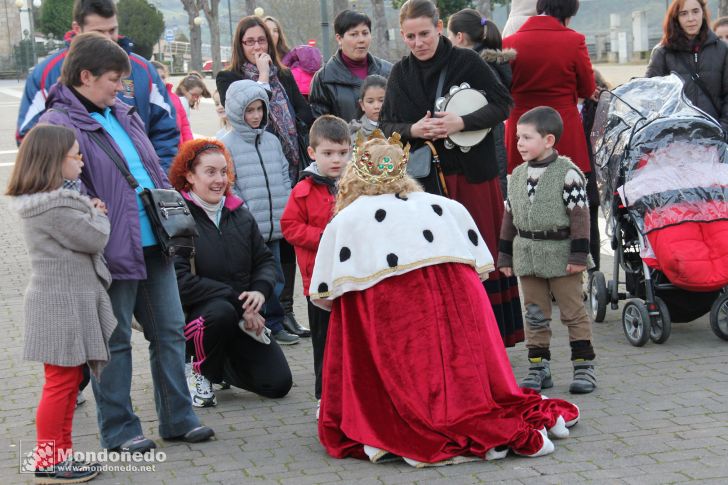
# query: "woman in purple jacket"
143 280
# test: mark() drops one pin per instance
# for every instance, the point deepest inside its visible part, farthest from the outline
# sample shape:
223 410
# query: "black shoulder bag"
420 161
167 210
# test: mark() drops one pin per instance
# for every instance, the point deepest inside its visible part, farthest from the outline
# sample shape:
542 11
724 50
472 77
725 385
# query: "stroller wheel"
636 322
661 324
719 316
597 296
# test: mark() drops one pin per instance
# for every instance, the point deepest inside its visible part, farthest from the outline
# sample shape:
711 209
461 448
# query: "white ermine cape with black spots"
381 236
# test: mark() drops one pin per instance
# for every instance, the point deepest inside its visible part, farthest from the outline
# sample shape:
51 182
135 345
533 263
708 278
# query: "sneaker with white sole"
200 388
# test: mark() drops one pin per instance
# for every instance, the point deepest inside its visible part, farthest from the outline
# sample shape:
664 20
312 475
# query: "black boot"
292 326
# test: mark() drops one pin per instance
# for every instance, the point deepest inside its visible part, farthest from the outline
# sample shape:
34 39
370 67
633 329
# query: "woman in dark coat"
232 277
255 57
696 54
471 177
335 88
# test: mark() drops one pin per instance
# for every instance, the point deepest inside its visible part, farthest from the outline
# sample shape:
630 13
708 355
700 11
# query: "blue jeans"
155 304
273 311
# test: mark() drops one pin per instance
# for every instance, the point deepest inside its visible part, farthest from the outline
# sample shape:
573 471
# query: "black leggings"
225 352
318 322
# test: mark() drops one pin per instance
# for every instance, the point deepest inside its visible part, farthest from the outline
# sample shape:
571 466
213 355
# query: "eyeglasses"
78 156
252 42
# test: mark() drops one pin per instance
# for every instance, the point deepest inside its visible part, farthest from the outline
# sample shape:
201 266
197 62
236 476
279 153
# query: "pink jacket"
183 124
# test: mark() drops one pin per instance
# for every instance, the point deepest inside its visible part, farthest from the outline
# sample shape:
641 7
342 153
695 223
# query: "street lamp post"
29 10
325 30
230 21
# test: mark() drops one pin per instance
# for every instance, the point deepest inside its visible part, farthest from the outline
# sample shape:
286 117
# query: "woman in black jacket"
472 176
335 87
224 286
695 53
254 57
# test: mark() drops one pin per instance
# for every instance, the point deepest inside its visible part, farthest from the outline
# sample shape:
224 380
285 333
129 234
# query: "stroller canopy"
665 161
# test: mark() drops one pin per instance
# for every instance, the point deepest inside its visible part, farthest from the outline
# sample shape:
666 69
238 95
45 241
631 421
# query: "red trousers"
54 418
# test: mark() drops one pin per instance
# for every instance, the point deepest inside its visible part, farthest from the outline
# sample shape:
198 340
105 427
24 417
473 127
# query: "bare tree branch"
193 7
380 41
212 14
249 7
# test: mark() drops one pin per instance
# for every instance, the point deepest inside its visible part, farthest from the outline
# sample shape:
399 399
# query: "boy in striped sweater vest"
544 241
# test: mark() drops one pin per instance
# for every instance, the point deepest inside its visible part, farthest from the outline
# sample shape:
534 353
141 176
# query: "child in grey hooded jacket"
261 168
261 178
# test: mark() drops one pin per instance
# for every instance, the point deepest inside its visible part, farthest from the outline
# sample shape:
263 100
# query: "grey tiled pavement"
658 416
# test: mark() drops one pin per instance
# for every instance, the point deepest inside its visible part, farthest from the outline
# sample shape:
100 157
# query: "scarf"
429 70
280 113
213 211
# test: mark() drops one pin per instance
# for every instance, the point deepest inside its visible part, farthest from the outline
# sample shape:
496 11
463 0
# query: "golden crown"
380 160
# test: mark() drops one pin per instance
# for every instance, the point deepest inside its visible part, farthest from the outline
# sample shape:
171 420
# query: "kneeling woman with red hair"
224 286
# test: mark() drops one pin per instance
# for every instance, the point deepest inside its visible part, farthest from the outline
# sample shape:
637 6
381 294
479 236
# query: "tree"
56 17
249 7
723 8
212 14
340 6
193 7
380 48
485 7
142 23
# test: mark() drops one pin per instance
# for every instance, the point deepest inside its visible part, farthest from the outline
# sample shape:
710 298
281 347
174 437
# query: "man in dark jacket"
142 88
335 87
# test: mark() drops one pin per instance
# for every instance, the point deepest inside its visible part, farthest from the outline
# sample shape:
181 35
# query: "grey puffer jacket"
261 168
68 315
711 64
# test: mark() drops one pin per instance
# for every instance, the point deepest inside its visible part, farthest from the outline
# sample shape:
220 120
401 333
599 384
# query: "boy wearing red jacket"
308 211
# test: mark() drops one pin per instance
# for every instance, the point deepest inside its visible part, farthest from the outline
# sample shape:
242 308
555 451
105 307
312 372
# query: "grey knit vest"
545 259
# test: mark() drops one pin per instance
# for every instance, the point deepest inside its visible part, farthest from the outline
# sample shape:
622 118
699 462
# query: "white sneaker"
200 388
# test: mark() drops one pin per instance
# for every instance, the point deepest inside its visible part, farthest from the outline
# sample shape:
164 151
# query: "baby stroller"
662 167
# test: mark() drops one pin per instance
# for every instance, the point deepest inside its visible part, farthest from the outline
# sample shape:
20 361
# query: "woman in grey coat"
68 315
690 49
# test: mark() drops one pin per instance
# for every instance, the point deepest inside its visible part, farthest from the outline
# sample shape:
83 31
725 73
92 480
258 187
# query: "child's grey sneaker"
539 375
585 377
